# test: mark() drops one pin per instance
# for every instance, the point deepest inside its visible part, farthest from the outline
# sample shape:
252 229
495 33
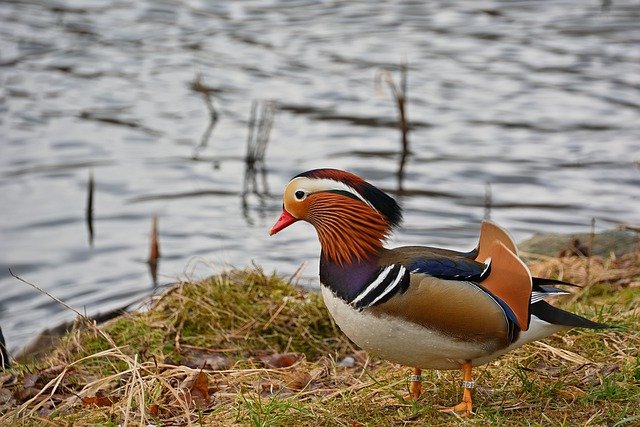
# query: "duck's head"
351 216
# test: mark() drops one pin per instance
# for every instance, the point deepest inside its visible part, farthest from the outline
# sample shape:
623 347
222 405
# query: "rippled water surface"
541 100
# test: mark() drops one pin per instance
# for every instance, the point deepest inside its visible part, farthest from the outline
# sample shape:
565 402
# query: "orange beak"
285 220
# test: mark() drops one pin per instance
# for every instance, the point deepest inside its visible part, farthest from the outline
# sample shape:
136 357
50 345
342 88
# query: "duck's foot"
462 409
415 385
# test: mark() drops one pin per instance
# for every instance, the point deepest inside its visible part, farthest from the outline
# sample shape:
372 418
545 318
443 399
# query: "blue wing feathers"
448 268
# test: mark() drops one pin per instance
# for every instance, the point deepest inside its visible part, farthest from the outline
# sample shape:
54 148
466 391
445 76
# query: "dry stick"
89 212
404 125
154 250
400 96
249 157
200 87
88 321
488 201
259 129
592 235
294 279
269 112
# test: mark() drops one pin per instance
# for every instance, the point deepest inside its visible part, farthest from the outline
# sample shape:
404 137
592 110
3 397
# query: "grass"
250 349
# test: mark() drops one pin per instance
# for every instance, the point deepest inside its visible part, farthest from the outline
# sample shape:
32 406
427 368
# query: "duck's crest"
372 195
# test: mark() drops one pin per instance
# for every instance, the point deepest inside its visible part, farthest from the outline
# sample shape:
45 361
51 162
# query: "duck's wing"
460 297
501 274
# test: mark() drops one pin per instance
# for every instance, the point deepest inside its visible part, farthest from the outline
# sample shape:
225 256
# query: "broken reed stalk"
198 86
249 159
259 130
154 250
89 211
592 235
399 93
488 201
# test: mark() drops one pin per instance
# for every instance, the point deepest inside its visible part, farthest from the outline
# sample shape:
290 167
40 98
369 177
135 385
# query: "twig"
198 86
154 250
488 201
259 130
89 212
592 236
294 279
86 319
53 297
399 94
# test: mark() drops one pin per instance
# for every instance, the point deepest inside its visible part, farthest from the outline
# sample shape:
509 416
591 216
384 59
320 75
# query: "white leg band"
468 384
415 378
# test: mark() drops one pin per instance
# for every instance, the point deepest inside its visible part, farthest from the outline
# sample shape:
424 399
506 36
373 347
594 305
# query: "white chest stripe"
391 286
383 275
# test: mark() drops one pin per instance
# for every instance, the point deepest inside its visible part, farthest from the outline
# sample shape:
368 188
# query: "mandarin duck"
419 306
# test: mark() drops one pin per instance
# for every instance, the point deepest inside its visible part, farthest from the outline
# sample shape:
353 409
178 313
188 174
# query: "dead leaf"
198 386
154 409
99 401
201 386
281 360
298 380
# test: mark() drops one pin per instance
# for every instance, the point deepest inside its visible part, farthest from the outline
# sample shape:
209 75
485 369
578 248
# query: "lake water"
539 100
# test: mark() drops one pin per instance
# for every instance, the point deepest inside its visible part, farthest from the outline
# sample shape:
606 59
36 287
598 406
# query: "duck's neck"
347 280
349 231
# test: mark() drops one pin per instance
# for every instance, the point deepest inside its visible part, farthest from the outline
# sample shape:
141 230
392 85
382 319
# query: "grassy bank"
247 348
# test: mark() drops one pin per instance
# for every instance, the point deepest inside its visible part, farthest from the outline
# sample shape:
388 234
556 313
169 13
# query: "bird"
419 306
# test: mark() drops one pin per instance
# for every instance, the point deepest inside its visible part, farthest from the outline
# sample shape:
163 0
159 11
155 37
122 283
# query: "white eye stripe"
324 184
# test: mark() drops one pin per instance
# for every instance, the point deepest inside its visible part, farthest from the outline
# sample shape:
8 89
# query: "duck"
419 306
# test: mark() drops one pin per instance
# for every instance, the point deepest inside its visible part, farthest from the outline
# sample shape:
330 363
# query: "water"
539 99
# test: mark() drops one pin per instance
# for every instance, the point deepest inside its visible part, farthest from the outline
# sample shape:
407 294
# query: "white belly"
400 341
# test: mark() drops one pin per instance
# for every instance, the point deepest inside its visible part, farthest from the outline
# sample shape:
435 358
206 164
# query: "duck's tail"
550 314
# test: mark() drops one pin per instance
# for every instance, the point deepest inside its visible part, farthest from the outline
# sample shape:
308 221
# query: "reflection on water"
541 101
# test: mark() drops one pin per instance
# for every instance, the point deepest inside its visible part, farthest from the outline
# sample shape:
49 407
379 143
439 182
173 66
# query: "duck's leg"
415 384
465 407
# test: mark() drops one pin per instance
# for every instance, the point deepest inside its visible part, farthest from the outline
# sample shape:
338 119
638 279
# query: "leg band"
468 384
415 378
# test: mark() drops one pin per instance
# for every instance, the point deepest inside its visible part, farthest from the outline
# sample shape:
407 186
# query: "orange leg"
464 408
415 384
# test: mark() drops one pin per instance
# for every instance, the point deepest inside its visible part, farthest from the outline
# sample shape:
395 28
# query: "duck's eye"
299 194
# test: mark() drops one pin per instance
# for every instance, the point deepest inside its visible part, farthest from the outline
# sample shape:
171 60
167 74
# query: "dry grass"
249 349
